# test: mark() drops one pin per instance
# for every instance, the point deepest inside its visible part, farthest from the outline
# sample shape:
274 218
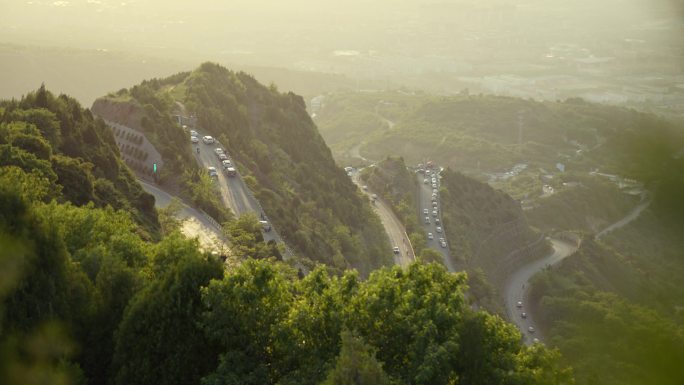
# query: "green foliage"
288 166
247 240
356 364
484 224
589 206
611 308
158 339
411 324
61 141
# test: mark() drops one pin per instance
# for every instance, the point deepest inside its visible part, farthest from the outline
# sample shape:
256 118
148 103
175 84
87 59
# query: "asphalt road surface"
194 223
393 227
234 191
518 283
425 199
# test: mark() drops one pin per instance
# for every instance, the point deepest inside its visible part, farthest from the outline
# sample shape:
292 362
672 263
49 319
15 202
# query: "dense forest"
487 228
52 139
313 204
93 292
150 112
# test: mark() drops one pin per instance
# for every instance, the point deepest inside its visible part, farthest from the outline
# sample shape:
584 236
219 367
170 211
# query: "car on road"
434 185
530 329
194 139
523 315
396 250
230 171
223 157
434 199
364 187
519 304
434 204
193 133
430 236
426 211
212 171
218 151
208 139
437 221
226 163
427 220
265 225
434 213
426 181
438 229
443 243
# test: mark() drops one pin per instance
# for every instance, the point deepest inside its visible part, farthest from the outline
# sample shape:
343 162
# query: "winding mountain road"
518 282
193 222
234 192
393 227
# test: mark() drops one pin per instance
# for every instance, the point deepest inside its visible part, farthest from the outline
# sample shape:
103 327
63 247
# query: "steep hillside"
144 109
487 228
278 149
54 139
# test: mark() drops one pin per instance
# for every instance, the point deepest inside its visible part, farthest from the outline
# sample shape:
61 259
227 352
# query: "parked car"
208 139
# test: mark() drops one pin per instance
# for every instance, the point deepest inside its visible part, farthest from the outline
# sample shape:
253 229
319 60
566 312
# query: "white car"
194 139
530 329
218 151
427 220
230 171
443 244
426 181
434 185
434 213
396 250
226 163
426 211
207 139
430 236
223 157
519 304
193 133
212 171
438 229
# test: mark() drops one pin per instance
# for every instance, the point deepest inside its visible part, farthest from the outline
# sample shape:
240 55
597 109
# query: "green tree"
159 340
356 364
